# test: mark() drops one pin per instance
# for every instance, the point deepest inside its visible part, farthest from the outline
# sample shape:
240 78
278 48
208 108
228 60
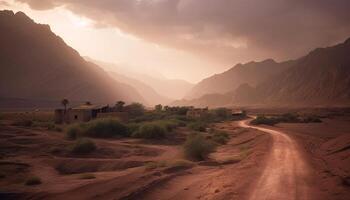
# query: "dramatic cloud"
226 30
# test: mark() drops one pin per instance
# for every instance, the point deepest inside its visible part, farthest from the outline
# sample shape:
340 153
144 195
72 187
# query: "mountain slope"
168 88
251 73
320 78
37 64
148 93
207 100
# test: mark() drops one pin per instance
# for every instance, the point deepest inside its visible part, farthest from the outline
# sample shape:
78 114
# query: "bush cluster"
150 130
83 146
153 130
311 119
100 128
220 137
285 118
105 128
198 126
197 147
262 119
135 109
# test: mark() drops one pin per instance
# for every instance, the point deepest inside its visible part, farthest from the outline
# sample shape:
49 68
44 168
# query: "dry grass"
34 180
155 165
40 116
83 146
170 166
87 176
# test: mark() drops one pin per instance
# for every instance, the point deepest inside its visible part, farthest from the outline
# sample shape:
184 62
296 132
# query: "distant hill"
148 93
168 88
37 64
251 73
321 78
171 88
208 100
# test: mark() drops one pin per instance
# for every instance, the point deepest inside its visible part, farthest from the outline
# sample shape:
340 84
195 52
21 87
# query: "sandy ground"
326 148
287 161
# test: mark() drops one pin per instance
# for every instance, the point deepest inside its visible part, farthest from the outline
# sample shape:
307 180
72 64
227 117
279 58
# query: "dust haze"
174 99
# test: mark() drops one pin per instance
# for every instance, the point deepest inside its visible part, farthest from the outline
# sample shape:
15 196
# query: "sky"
191 39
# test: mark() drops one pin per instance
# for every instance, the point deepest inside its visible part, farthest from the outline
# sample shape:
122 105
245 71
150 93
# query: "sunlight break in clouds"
112 45
194 38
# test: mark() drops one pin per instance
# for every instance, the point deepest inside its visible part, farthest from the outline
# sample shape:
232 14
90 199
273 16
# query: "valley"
261 157
168 100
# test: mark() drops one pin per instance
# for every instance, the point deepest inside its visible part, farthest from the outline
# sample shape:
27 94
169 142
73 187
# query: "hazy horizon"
187 40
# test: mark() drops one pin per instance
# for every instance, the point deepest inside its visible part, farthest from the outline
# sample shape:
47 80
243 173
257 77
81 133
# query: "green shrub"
34 180
133 127
100 128
197 147
180 118
150 116
150 130
83 146
105 128
178 122
289 118
220 137
73 132
135 109
261 119
198 126
286 118
169 125
311 119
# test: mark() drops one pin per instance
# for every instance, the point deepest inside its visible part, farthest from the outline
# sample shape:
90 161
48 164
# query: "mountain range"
252 73
320 78
37 64
163 89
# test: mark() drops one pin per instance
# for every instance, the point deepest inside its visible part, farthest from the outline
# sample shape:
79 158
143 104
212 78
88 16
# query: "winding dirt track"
286 175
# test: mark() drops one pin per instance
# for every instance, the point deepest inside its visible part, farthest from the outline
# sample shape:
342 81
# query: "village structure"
87 112
195 113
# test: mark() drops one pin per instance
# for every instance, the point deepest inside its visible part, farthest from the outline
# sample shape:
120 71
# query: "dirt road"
286 175
252 165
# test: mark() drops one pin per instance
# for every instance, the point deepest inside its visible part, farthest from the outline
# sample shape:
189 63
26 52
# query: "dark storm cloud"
229 30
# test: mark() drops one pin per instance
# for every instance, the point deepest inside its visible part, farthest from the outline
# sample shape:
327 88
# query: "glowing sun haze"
190 39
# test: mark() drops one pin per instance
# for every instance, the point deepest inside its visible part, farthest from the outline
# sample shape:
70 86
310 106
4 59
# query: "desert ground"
284 161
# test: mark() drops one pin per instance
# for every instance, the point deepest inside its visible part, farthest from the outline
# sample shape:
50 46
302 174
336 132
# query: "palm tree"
119 105
65 102
158 107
